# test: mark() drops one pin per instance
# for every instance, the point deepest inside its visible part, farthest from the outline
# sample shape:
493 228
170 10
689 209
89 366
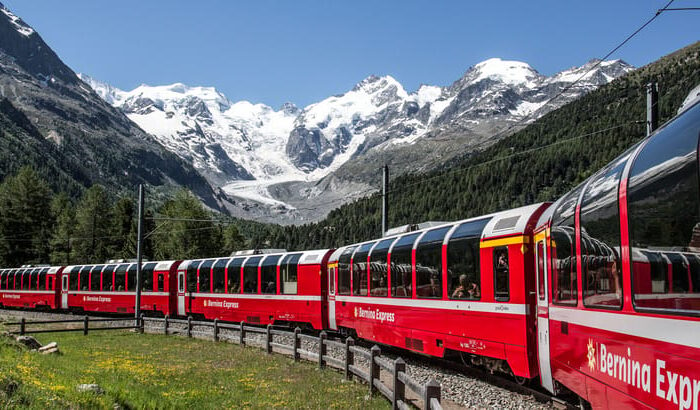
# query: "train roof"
503 223
306 257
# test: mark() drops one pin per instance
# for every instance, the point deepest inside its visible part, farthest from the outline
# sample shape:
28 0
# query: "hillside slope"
85 140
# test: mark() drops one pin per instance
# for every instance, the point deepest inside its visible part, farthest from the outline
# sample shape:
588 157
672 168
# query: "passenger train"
597 293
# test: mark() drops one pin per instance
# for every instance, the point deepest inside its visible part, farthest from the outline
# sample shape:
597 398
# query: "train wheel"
523 381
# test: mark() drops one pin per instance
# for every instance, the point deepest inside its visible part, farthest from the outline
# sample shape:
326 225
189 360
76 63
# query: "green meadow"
155 371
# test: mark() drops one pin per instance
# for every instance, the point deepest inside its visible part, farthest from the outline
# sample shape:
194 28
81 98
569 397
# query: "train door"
331 296
64 291
543 316
181 292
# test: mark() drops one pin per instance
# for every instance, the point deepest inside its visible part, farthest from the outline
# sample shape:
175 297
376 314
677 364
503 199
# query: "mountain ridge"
343 136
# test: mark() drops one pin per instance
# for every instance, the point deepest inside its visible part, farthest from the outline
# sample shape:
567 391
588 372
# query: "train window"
234 275
378 269
25 279
85 277
359 269
463 261
120 278
344 271
205 276
501 273
73 278
600 237
268 274
218 273
402 266
108 278
563 250
429 264
2 279
147 277
192 276
161 283
250 274
664 219
131 278
540 270
95 278
331 280
289 274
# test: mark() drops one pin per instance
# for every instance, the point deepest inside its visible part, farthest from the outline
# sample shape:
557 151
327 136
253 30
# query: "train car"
465 286
279 288
618 272
112 287
29 287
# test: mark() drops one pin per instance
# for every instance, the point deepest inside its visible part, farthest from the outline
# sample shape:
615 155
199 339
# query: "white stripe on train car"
255 296
32 292
463 305
676 330
115 293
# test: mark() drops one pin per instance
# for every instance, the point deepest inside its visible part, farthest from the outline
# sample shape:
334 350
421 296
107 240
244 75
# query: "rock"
51 351
49 346
93 388
28 341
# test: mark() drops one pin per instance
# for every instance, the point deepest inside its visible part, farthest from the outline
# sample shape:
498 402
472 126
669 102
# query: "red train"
597 293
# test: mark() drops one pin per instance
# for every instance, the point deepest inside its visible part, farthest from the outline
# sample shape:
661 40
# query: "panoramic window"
95 278
131 278
147 277
664 219
600 237
463 261
85 277
268 274
429 264
402 266
378 269
288 274
120 278
205 276
359 269
563 246
344 271
108 278
218 273
250 274
234 275
191 274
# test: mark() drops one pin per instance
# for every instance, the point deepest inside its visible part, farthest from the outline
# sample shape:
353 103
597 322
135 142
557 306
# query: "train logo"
591 355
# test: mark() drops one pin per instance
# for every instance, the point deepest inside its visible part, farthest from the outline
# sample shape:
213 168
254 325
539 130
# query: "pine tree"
93 236
63 213
25 219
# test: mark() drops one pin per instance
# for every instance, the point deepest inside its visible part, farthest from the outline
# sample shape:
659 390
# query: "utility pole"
385 202
139 254
652 107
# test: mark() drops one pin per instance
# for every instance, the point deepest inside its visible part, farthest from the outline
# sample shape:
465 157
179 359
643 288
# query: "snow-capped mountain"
249 148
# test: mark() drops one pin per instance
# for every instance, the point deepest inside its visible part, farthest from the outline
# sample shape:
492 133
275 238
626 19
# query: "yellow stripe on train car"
513 240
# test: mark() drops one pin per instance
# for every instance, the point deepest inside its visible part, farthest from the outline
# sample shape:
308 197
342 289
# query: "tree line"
38 226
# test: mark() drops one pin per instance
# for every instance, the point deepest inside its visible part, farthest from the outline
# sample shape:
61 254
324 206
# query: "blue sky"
303 51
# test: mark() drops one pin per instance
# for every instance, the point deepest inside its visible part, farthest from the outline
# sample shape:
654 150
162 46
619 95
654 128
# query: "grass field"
153 371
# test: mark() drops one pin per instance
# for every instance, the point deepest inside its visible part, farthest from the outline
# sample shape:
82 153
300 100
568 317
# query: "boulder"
93 388
29 341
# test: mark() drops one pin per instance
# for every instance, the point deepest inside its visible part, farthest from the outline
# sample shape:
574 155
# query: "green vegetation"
152 371
39 227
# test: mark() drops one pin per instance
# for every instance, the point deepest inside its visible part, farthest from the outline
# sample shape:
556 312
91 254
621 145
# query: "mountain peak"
19 25
506 71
